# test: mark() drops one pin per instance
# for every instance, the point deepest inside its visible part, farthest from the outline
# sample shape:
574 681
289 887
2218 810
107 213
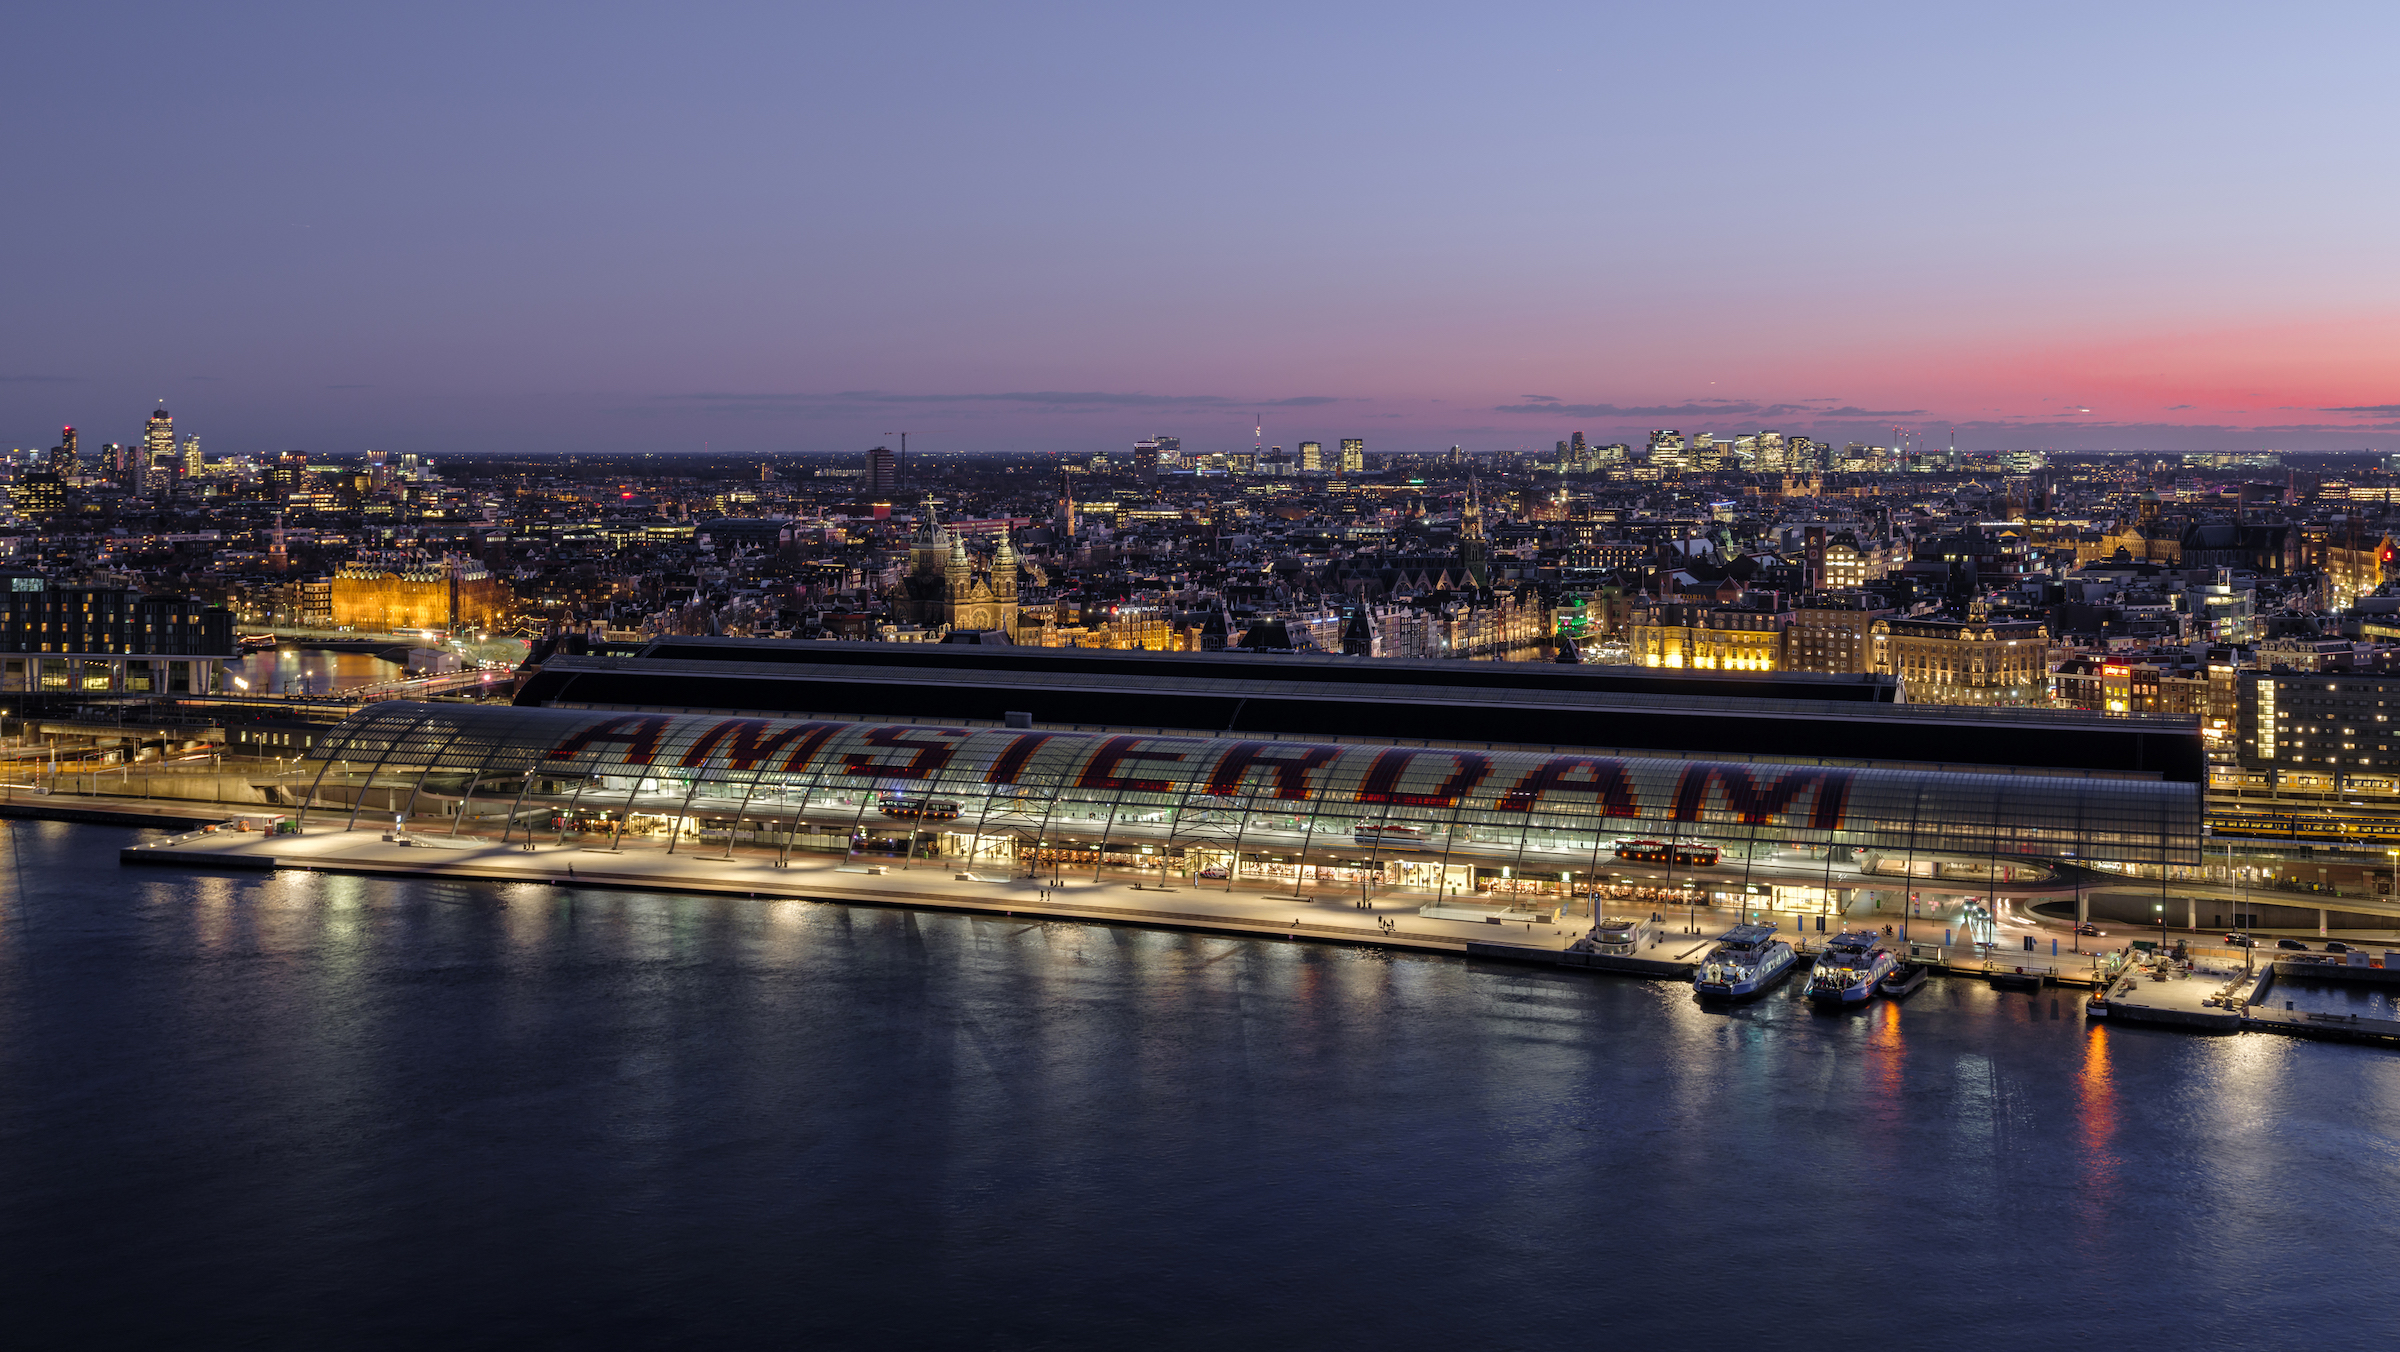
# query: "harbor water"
307 1110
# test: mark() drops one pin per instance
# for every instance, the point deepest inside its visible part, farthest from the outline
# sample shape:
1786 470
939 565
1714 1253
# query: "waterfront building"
443 592
64 638
1439 818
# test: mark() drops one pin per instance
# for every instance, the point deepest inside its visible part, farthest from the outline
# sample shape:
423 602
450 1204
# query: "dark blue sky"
774 227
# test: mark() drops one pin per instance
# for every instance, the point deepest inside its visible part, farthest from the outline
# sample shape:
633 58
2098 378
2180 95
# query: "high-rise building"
883 471
1666 450
1312 455
62 456
288 475
1145 458
1354 454
159 439
191 456
1170 451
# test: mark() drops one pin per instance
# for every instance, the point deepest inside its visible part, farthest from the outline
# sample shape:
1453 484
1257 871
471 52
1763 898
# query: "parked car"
2337 946
2294 944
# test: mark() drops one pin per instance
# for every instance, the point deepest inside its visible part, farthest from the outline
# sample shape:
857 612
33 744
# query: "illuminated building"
38 493
1441 819
947 588
1970 661
1707 637
158 442
91 639
1354 454
447 593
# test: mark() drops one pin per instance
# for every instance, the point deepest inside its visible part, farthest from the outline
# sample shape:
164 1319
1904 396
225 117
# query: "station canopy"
1352 798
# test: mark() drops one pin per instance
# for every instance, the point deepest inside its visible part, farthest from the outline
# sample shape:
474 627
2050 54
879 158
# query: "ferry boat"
1748 960
1616 937
1905 979
1853 964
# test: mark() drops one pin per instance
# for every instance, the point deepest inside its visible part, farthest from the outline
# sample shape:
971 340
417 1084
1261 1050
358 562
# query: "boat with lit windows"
1853 964
1747 961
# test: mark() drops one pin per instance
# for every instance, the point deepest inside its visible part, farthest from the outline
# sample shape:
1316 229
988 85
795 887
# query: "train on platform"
1660 852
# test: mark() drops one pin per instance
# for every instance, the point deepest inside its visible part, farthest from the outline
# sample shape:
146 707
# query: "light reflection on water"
343 1111
311 671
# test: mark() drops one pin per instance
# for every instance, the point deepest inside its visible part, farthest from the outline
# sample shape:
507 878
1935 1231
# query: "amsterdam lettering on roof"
1377 779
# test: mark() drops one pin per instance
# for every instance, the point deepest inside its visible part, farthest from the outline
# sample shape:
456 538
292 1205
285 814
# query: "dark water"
310 1111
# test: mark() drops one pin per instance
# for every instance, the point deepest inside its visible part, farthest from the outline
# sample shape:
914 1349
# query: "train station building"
1441 817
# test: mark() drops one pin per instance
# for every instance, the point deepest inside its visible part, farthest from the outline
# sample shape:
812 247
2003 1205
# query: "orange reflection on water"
2096 1110
1883 1039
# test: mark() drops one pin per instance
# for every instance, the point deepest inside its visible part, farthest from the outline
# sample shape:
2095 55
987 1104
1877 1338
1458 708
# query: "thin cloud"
349 387
1705 409
1042 398
1854 411
39 380
1545 398
2177 408
2371 410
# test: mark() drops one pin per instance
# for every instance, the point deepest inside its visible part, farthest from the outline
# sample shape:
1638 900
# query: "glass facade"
1440 818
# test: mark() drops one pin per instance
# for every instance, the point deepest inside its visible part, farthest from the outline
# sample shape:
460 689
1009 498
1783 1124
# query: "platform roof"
1487 703
1188 787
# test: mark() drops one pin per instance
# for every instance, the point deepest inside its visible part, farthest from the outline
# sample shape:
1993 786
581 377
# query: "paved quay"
2210 996
1389 919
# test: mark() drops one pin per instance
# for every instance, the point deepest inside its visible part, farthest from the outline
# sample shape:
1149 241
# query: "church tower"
1473 552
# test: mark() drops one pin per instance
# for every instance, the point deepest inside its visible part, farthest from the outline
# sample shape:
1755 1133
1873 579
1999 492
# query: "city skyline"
766 231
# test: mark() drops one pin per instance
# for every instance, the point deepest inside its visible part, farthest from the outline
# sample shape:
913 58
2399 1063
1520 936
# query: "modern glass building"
1444 818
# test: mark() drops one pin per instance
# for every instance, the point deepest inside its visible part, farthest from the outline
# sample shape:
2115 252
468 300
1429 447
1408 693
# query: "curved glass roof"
522 762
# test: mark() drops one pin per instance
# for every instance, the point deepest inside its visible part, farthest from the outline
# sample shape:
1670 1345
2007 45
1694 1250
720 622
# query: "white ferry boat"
1853 964
1748 960
1616 937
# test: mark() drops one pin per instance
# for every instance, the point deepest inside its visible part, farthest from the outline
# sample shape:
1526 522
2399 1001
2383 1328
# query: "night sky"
791 227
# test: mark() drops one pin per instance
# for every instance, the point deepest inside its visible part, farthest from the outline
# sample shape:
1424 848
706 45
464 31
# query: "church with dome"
948 588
